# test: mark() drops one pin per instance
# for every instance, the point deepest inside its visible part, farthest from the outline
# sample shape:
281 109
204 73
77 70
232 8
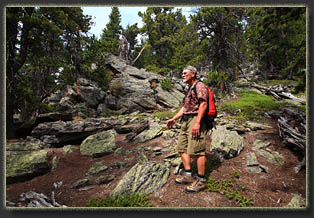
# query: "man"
193 132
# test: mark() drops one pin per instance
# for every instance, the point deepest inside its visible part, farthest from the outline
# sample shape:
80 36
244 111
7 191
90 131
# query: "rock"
81 183
251 159
154 130
29 144
143 178
99 144
137 129
225 143
256 126
98 167
104 179
55 162
272 156
297 201
55 133
89 92
25 165
69 149
53 116
261 148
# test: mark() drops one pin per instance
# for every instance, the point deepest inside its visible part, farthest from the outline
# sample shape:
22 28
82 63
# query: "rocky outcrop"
143 178
225 143
25 160
130 90
61 132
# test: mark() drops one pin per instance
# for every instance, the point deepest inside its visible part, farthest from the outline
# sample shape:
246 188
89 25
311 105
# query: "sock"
201 176
188 172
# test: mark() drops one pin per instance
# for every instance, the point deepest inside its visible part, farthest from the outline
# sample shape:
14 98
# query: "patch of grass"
251 105
110 113
135 200
165 115
231 190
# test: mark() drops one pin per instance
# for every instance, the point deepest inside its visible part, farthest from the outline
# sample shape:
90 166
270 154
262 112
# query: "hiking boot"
185 179
198 185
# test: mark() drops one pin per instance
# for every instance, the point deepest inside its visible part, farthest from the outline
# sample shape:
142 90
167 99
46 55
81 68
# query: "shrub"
166 84
135 200
117 89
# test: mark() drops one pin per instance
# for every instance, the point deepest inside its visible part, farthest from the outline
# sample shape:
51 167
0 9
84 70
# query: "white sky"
129 15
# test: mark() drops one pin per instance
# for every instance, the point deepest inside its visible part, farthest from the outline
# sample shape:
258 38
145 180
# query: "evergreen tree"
38 46
160 25
111 34
221 37
277 39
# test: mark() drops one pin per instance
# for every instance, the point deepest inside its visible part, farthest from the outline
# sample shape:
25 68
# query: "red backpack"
211 107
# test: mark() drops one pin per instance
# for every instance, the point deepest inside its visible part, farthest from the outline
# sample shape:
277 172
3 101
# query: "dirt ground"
272 189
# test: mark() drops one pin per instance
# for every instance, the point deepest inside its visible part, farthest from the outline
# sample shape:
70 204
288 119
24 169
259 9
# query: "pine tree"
111 34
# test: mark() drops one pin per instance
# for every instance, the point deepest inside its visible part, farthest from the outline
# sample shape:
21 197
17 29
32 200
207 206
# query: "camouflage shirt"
192 102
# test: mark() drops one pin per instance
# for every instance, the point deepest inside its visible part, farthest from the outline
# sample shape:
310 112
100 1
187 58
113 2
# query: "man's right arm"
173 120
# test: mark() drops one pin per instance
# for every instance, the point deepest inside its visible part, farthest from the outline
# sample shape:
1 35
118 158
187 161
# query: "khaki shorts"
188 144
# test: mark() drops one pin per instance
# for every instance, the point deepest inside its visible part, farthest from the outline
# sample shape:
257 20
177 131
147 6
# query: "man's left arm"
201 112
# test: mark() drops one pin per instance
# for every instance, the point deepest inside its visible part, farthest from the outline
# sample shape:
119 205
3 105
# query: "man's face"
187 75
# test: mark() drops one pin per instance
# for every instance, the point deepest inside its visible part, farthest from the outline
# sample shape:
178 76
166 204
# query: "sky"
129 15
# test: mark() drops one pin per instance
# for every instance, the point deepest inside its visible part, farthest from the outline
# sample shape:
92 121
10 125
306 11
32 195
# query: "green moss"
135 200
251 106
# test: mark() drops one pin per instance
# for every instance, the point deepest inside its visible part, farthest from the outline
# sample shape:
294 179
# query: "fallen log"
292 129
278 92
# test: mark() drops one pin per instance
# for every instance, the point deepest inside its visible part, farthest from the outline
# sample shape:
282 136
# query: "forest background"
48 48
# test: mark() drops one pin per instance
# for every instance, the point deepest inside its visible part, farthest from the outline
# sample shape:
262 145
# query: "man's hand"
170 123
196 129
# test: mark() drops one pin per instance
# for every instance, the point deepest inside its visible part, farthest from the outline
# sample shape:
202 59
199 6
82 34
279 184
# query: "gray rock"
251 159
225 143
81 183
54 133
154 130
98 167
25 165
142 178
99 144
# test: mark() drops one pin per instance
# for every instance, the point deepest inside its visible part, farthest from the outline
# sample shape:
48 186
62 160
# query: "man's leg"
186 160
201 164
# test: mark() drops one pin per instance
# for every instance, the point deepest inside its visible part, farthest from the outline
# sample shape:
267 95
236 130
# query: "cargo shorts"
188 144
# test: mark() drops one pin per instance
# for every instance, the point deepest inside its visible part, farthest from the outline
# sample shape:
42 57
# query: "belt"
185 117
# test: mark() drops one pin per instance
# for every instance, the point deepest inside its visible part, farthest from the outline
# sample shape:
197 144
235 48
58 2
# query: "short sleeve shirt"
192 102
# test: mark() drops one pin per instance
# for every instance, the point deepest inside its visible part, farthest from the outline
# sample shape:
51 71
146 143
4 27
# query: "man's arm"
201 112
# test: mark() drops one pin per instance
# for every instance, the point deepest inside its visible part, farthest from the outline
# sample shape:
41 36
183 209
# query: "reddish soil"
272 189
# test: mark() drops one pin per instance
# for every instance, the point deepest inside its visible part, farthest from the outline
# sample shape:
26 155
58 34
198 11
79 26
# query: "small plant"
134 200
166 84
117 89
230 190
235 175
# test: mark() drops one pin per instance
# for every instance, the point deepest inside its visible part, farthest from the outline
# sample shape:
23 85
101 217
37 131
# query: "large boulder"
60 132
142 178
225 143
99 144
25 159
138 92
